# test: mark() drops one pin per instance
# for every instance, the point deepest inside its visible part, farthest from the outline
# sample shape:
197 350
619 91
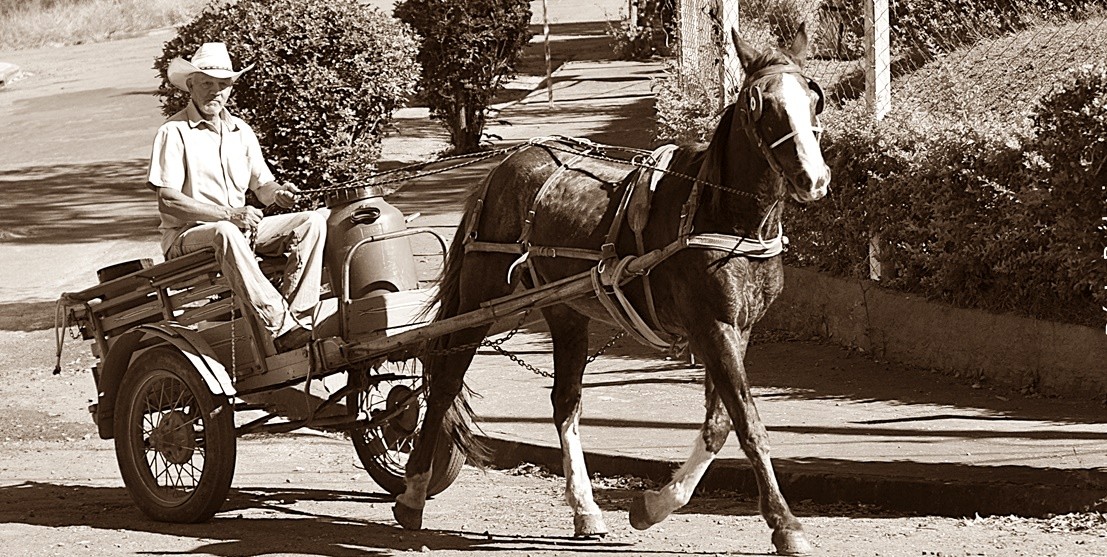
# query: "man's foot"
292 339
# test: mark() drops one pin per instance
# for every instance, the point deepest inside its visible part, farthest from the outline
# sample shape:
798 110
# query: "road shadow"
278 529
74 204
837 487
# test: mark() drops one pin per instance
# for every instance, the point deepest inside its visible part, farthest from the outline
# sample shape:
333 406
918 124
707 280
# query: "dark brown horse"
555 209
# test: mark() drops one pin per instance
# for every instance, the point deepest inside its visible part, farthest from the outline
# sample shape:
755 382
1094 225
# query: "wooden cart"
182 371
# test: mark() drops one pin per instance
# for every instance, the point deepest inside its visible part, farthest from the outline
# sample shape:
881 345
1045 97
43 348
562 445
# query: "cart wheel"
175 442
384 449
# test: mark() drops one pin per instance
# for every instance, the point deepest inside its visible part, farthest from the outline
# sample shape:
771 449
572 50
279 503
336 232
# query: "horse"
554 209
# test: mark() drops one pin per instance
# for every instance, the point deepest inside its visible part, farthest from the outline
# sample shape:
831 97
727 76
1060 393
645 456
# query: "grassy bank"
34 23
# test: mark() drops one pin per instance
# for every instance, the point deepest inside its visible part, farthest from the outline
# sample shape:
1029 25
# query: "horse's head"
778 107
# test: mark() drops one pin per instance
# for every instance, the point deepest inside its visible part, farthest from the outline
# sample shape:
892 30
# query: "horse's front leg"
654 506
722 348
569 331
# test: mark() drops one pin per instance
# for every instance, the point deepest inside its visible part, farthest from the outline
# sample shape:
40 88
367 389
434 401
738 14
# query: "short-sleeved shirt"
205 163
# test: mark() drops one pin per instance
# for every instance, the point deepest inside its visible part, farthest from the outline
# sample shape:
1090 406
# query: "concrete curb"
1050 358
1022 491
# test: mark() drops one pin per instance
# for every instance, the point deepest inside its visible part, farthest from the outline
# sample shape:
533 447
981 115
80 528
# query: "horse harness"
610 274
751 103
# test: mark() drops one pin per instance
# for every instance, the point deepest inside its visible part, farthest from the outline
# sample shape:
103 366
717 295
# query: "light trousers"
301 235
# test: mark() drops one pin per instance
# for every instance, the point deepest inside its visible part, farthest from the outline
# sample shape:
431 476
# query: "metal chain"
605 347
497 346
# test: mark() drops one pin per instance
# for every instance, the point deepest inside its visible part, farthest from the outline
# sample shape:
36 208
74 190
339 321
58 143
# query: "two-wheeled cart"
183 370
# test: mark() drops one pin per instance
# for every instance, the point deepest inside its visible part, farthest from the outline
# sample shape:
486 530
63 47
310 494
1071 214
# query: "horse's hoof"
640 518
409 518
791 542
589 526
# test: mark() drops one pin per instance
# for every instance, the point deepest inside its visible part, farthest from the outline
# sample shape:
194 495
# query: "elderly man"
203 161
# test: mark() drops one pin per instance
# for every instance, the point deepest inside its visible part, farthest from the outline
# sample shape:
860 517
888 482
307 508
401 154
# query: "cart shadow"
262 521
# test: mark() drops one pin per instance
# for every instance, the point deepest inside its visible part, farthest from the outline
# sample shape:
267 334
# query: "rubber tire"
447 464
219 447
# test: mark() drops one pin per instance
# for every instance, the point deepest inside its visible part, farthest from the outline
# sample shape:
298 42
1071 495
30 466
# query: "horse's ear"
746 52
797 51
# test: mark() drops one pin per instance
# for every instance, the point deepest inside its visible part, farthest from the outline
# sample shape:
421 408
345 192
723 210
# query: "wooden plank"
180 300
130 318
205 312
123 302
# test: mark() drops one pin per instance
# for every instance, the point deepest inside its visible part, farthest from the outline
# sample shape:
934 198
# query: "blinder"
754 101
821 103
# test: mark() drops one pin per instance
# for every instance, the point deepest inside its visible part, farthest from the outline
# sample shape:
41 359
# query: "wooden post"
878 55
731 70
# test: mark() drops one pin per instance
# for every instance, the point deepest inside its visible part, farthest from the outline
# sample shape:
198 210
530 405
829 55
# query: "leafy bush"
329 75
938 27
469 47
687 105
975 214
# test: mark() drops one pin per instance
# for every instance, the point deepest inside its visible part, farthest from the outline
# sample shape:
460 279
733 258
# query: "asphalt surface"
843 427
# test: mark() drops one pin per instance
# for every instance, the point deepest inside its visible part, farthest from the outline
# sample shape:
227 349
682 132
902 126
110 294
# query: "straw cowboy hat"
211 59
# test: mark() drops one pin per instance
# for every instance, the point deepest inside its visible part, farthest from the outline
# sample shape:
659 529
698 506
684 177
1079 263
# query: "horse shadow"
262 521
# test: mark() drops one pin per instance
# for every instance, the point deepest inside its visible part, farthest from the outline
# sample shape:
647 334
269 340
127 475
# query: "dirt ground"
304 494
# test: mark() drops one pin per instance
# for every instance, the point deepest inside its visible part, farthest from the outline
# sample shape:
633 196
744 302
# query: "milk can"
377 267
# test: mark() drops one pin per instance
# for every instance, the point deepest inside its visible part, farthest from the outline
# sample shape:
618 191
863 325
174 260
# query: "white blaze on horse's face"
812 179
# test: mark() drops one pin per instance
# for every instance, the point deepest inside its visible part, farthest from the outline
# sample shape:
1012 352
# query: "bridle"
750 104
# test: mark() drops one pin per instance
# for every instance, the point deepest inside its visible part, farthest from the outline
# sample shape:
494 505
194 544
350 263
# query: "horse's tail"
460 420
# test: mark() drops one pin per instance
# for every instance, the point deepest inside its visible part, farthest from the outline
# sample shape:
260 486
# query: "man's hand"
285 196
246 218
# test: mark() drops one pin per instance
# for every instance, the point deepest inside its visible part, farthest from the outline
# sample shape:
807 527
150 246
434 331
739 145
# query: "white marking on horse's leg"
415 491
408 510
587 520
660 504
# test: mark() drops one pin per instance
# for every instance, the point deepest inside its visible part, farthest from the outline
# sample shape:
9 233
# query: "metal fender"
143 337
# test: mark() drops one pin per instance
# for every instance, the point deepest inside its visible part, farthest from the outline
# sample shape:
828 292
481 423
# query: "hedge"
978 215
328 76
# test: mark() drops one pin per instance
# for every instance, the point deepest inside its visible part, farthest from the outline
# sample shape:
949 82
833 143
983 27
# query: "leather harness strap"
610 274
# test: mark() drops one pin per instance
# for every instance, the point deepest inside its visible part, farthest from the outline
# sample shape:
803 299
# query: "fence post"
878 54
732 69
878 96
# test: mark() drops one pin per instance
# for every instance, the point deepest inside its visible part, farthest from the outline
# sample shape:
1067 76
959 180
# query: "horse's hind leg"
654 506
722 349
569 331
444 383
445 373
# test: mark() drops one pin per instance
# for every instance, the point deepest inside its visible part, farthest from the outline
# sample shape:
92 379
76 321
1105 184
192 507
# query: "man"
203 162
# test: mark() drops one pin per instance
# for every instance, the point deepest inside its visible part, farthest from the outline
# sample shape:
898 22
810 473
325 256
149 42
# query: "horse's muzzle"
807 188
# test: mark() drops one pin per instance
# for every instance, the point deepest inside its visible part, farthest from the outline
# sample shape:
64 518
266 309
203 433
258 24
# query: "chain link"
497 346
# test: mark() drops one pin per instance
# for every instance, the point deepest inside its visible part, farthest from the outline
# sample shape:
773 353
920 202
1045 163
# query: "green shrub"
329 75
469 48
976 214
687 105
